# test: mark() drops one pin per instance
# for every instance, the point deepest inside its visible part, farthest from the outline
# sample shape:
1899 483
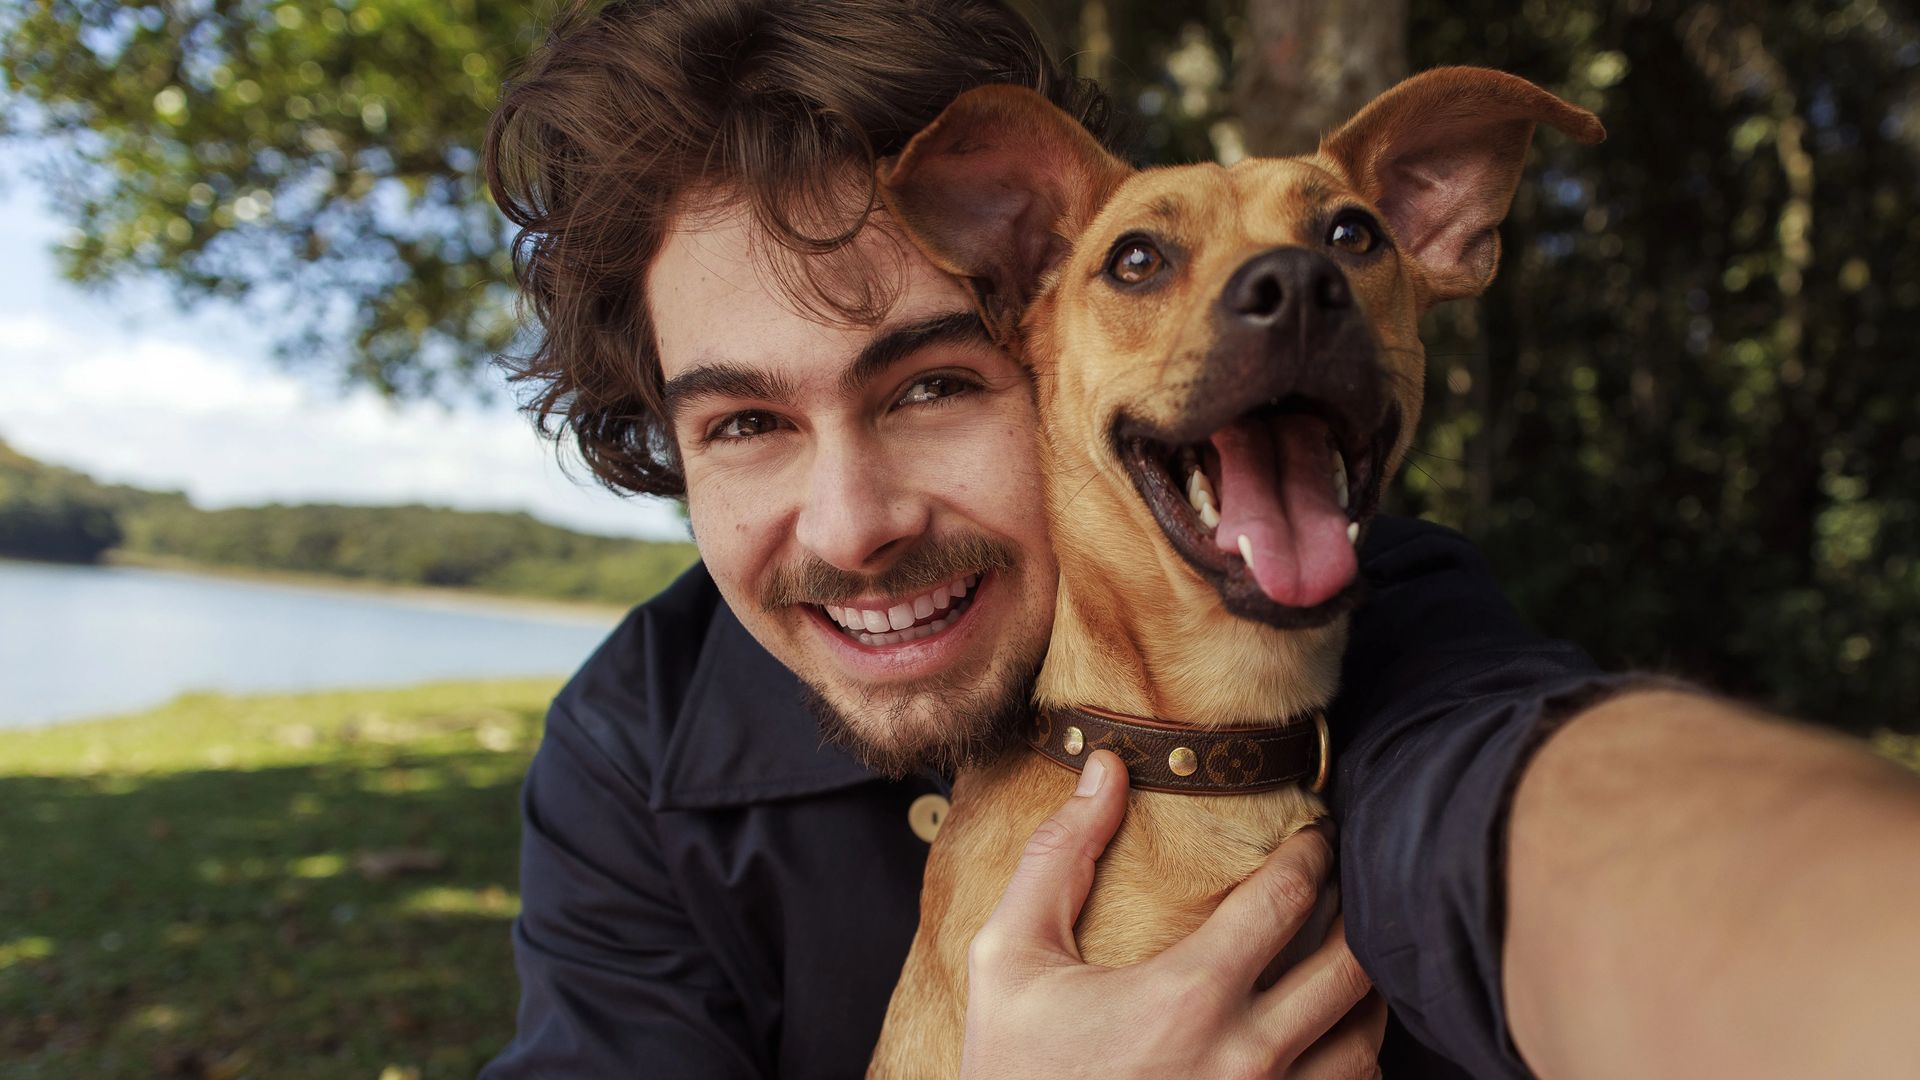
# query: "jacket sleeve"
614 980
1445 696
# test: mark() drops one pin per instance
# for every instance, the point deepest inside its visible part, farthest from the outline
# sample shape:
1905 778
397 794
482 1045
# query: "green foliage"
59 514
1680 424
215 887
312 157
413 545
48 512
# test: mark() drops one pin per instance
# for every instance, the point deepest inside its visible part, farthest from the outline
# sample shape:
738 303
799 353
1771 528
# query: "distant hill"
49 512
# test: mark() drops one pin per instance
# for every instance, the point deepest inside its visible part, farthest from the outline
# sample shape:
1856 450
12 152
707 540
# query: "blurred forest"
62 515
1680 424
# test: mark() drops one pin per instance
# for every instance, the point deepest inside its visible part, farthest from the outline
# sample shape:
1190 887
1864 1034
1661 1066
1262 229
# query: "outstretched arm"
1695 889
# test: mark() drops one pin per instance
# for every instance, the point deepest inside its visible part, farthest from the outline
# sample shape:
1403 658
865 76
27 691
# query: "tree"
1307 66
1680 423
316 160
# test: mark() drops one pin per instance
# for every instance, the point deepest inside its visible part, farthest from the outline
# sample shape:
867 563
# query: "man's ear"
1440 154
995 190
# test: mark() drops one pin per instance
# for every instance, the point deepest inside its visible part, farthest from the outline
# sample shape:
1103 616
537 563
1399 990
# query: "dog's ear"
1440 154
994 190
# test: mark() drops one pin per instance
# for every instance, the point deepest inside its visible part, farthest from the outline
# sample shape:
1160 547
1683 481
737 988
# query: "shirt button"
926 814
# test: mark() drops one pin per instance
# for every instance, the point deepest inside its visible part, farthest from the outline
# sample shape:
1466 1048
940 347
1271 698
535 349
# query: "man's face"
867 498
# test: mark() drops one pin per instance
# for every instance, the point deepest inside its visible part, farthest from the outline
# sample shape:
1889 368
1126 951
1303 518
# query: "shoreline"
434 595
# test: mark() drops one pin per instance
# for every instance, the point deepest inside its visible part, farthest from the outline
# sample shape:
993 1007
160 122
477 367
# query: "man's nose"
858 513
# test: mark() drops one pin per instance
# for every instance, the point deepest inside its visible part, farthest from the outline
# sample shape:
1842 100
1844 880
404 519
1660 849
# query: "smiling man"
710 890
867 494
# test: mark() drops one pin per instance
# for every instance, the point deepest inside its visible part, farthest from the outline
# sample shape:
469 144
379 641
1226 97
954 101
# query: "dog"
1227 368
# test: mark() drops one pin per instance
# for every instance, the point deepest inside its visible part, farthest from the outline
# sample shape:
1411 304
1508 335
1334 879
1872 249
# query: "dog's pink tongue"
1276 489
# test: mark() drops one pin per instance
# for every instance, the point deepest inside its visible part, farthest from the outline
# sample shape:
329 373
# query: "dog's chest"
1174 859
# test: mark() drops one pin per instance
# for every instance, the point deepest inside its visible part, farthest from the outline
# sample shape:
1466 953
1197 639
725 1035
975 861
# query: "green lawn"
313 885
219 887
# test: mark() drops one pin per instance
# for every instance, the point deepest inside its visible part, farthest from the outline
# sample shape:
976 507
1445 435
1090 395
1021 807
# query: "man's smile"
925 646
878 622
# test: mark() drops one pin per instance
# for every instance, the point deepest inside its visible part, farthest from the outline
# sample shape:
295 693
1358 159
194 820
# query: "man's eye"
744 425
933 388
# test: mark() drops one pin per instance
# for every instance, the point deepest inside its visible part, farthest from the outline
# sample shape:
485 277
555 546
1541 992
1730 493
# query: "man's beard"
951 720
980 723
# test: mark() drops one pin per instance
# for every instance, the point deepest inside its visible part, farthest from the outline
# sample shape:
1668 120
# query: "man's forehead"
721 288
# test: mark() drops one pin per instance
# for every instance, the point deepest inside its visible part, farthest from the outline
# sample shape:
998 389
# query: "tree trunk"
1307 65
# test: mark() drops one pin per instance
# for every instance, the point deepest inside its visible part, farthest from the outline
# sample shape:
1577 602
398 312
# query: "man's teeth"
905 621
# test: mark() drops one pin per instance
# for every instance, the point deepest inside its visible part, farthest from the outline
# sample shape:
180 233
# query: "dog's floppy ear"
993 191
1440 154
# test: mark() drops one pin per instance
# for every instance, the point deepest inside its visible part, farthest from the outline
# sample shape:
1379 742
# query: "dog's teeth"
1199 491
1246 549
1209 516
1353 532
1340 481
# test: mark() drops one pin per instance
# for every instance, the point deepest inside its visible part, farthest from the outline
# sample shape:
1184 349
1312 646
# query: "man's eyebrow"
903 341
723 379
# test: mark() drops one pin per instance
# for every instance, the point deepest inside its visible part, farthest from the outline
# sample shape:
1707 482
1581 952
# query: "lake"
79 641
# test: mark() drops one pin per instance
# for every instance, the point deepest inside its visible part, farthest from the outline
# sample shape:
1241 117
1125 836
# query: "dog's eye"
1134 262
1352 235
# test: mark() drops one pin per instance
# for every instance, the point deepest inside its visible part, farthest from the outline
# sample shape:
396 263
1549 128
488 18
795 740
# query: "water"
81 640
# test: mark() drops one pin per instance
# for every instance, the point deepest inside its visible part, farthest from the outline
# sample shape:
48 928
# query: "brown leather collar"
1191 761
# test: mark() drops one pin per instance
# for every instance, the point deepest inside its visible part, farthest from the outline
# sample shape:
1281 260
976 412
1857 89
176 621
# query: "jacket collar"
742 734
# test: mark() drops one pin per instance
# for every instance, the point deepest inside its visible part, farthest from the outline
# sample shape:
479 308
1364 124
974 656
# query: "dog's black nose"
1283 284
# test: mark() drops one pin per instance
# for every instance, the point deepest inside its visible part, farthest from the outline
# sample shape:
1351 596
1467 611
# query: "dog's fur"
1010 195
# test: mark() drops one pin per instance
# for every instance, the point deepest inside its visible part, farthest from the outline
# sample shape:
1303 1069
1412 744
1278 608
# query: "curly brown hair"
630 107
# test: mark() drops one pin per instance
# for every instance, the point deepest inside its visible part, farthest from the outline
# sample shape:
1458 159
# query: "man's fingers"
1036 914
1262 913
1351 1049
1313 995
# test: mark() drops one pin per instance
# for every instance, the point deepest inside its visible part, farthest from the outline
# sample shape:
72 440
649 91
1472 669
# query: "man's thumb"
1035 916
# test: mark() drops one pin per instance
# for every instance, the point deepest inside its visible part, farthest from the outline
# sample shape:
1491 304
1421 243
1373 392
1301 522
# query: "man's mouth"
908 619
1268 508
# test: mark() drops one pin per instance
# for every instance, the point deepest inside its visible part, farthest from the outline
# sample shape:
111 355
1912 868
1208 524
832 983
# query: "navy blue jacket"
708 891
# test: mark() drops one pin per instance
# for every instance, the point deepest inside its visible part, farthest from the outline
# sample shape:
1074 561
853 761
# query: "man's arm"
1639 837
613 977
1697 890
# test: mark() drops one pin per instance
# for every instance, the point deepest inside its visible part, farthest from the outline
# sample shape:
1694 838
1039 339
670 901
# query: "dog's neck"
1183 658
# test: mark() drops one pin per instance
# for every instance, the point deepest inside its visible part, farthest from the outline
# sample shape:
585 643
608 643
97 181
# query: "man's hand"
1034 1008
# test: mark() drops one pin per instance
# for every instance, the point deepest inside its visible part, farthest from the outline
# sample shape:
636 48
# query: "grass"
313 885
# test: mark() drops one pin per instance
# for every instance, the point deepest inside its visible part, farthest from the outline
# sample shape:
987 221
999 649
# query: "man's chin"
926 731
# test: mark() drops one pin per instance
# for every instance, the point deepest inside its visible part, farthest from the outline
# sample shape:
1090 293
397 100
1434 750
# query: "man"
708 890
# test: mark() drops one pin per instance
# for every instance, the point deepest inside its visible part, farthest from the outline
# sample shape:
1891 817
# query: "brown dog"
1228 369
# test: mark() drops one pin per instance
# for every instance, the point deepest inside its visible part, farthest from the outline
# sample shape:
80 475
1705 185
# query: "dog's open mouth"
1268 508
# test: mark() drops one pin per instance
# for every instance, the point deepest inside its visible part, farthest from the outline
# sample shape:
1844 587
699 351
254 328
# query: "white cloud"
158 408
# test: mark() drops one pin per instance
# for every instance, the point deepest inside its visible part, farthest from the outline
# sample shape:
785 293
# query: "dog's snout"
1282 284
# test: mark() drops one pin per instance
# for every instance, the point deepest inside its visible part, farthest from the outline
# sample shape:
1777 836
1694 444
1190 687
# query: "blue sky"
130 389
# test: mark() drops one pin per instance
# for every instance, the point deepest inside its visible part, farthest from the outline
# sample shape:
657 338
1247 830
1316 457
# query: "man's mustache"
935 562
